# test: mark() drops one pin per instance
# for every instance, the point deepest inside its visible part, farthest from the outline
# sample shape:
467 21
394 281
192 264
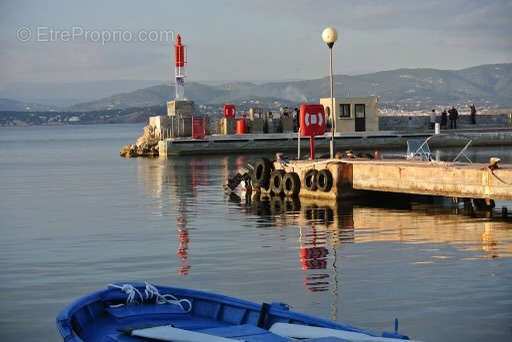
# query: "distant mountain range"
489 85
62 95
19 106
410 89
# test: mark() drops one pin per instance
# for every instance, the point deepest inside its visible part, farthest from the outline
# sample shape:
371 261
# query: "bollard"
437 128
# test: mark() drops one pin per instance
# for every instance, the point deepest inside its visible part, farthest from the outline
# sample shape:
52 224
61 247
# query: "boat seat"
245 332
127 311
119 337
182 321
125 338
320 334
168 333
196 323
326 339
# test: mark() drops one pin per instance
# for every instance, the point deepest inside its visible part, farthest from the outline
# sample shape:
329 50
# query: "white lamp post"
329 36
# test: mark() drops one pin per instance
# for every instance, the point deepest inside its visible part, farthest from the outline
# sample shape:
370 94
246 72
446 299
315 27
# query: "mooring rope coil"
131 291
134 296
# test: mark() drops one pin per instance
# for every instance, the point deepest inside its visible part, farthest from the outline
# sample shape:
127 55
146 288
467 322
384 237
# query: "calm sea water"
74 216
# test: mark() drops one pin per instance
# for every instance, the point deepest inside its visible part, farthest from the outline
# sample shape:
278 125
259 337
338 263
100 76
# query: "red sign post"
312 123
229 111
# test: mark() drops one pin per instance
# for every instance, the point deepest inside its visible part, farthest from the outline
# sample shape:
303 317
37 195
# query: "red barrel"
240 126
198 128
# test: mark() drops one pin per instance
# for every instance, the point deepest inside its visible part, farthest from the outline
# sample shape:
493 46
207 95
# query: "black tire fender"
276 181
261 173
324 180
310 179
291 184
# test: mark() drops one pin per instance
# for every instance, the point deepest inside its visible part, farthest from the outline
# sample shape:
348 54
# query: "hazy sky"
245 40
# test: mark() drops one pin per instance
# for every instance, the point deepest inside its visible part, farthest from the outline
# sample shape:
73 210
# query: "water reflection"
313 256
175 184
403 220
323 226
183 241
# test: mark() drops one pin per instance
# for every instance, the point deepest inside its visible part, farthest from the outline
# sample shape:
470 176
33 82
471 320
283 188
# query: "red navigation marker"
229 111
179 52
312 123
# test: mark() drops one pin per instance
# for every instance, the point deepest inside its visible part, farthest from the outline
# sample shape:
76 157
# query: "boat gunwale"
279 310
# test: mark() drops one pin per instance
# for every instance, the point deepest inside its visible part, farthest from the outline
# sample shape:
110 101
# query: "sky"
263 40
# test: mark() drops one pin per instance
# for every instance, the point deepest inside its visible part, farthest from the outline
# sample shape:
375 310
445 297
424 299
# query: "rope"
131 291
498 178
150 293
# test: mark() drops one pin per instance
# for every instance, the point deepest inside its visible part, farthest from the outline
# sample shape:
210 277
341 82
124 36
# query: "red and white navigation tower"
179 53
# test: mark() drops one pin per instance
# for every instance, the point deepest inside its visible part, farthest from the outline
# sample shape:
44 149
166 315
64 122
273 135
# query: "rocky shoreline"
145 146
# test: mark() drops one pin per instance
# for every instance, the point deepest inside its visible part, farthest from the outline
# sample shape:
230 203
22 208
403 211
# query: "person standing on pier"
472 109
444 118
296 115
453 115
433 119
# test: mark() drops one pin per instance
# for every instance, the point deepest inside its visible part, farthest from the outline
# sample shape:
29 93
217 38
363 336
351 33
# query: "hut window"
344 110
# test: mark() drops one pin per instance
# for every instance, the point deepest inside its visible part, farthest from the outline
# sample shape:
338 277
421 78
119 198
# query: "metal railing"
176 129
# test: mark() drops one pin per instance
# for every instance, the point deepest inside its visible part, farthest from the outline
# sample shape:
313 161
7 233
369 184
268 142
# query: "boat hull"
101 316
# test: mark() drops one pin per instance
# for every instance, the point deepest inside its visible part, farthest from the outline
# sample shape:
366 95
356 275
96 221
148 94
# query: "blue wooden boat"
130 312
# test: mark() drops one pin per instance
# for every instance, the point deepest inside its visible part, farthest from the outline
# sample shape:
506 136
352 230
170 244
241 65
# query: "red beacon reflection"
312 123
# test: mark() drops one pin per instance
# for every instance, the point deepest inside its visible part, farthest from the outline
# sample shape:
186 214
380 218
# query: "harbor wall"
386 123
421 122
364 141
410 122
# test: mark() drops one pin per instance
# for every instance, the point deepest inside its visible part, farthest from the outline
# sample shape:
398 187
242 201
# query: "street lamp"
329 36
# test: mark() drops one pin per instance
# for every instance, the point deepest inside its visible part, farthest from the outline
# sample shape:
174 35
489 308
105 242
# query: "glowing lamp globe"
330 36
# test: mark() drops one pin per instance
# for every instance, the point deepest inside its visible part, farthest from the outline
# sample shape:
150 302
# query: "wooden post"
298 145
312 147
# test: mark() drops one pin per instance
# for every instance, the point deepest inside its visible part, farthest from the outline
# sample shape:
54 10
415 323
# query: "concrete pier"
433 178
458 180
287 142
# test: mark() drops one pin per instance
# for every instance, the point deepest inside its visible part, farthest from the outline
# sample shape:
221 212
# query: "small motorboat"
130 312
239 185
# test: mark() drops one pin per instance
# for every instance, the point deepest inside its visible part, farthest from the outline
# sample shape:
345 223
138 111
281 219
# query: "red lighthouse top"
179 52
